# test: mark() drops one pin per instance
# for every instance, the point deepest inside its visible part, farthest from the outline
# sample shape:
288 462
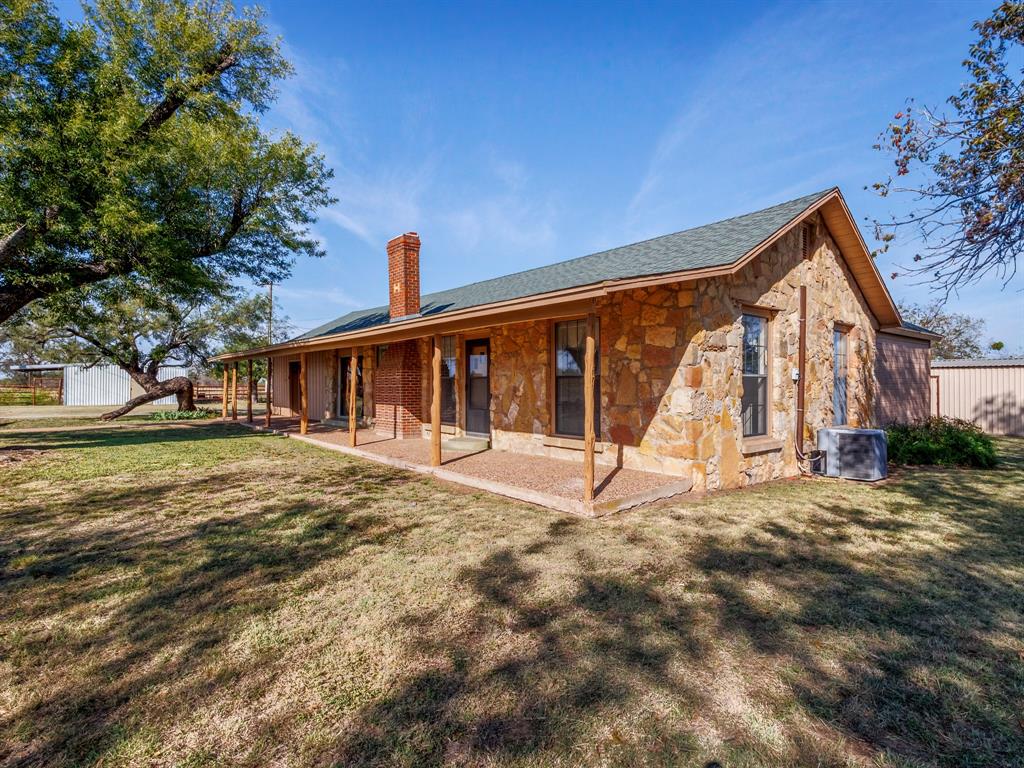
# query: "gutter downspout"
798 443
801 366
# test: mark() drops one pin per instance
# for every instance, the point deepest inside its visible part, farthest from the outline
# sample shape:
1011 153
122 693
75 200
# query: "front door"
478 387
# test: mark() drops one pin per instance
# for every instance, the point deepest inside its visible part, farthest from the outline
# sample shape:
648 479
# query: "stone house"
691 345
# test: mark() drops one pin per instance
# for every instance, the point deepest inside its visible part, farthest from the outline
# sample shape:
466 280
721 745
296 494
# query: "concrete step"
466 443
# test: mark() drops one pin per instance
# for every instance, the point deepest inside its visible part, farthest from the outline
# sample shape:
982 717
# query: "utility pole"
270 317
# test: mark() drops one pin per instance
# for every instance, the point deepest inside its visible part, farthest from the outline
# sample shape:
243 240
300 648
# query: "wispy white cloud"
746 125
388 186
334 296
513 215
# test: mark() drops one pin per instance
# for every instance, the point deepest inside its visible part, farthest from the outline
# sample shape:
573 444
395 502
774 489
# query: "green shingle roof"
712 245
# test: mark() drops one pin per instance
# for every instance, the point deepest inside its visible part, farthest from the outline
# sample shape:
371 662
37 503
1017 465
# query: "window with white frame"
839 376
754 403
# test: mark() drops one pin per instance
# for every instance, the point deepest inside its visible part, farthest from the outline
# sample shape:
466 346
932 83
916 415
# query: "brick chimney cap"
406 236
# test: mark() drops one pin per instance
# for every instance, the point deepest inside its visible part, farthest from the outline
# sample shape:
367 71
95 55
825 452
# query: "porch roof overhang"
910 333
578 300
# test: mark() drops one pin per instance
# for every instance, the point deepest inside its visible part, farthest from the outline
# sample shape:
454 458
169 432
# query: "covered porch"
541 480
407 411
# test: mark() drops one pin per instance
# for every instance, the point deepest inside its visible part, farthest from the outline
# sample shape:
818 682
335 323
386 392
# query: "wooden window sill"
572 443
761 445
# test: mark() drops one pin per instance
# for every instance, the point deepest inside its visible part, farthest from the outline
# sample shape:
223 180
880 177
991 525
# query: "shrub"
948 442
199 413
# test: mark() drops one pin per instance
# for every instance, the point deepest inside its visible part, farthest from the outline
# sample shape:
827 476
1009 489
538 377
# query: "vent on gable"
805 240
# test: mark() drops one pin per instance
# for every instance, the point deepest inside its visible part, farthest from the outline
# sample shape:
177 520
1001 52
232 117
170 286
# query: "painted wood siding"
902 369
990 396
322 380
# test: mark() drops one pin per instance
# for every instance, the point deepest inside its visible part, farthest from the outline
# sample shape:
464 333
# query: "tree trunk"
154 390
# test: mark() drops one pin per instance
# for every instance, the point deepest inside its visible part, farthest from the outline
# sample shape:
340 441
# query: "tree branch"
173 101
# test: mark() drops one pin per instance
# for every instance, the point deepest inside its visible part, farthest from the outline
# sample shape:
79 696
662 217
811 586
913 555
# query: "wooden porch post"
352 381
234 392
270 376
588 412
435 404
224 395
303 397
248 400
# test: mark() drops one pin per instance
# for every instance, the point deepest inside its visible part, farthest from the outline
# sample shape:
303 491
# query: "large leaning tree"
140 329
130 145
963 169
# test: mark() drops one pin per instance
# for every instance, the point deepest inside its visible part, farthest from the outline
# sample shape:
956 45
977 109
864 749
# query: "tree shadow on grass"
562 665
180 591
912 648
882 644
136 435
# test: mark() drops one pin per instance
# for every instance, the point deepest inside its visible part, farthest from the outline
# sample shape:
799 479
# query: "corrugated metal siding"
108 385
98 385
901 366
992 397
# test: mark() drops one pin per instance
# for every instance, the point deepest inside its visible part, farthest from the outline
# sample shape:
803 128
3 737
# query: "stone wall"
671 369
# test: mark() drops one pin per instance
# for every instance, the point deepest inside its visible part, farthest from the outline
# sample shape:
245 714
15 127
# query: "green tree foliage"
965 171
129 144
140 328
962 335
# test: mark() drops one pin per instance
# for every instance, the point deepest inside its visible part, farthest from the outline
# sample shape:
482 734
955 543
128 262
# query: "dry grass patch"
204 595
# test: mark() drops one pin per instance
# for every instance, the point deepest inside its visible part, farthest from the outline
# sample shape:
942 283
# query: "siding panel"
320 370
108 385
992 396
902 367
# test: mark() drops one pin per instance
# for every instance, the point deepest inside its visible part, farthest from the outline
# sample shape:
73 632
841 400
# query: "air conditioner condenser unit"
855 454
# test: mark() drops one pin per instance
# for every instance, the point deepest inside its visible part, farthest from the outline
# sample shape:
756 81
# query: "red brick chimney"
404 275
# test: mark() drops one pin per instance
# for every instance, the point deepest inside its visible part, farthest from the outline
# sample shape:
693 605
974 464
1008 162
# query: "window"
448 380
570 348
839 372
755 376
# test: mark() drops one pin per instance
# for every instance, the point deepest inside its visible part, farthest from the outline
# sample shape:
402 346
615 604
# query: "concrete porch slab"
547 482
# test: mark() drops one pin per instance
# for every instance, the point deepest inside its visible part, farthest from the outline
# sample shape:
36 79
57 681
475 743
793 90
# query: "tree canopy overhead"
130 144
965 171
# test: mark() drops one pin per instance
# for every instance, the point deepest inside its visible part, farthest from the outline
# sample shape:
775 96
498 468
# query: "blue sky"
511 136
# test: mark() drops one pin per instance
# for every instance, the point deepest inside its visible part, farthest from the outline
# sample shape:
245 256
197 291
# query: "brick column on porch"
397 391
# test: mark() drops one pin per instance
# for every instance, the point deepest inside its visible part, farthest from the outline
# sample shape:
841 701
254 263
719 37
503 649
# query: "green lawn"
206 595
47 422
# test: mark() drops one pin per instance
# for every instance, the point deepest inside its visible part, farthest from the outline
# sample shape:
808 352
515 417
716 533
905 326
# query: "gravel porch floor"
538 473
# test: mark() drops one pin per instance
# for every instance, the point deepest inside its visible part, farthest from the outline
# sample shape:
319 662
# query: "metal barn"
105 384
987 392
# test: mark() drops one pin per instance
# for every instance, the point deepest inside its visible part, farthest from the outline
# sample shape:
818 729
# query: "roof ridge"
818 194
718 242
